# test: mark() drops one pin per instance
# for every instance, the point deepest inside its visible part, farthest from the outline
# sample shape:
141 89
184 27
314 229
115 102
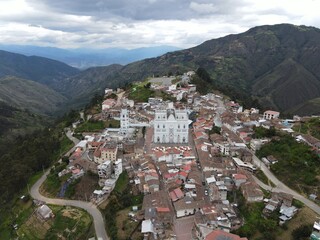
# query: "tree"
302 233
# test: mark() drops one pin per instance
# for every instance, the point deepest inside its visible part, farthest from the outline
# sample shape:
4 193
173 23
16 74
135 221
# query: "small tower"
124 120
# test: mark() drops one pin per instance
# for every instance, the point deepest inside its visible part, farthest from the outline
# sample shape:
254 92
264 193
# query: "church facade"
171 126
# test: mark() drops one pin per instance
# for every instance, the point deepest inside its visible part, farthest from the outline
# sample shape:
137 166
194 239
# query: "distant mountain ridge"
277 65
42 70
85 58
27 94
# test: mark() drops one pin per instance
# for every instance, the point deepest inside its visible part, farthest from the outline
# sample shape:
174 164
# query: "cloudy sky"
140 23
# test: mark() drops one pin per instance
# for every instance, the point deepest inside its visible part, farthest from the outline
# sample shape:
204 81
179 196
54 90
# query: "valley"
236 104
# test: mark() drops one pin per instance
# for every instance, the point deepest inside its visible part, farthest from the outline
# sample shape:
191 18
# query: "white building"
270 115
171 126
118 167
105 169
124 120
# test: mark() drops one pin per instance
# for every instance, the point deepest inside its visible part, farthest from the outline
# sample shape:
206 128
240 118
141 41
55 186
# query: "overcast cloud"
141 23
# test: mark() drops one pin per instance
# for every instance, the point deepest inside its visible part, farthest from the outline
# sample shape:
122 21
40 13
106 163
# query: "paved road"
72 138
281 187
98 220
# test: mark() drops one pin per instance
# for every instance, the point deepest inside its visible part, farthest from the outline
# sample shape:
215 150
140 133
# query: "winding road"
280 186
92 209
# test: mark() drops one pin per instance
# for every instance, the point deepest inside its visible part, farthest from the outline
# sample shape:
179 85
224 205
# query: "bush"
302 233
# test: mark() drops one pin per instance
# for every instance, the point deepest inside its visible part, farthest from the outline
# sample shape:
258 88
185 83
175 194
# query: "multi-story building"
270 115
105 169
171 126
108 151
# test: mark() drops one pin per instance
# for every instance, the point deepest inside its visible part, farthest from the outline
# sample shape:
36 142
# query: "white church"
171 126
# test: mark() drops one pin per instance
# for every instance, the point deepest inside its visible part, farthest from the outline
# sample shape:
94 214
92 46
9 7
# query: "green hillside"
43 70
277 64
15 122
26 94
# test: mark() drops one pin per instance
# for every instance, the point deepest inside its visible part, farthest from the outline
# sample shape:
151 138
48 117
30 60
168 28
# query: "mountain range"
84 58
276 65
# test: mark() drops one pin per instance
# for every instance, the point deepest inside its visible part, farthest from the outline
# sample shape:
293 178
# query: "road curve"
92 209
280 186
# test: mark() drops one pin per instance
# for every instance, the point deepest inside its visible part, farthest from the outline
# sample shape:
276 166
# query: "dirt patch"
34 228
71 213
125 224
85 188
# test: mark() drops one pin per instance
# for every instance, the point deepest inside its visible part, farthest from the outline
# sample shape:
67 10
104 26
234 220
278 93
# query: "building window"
183 139
158 126
163 126
179 126
158 139
184 126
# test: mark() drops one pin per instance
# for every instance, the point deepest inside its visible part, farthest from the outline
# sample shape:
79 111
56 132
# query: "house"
187 206
108 103
176 194
311 141
108 151
251 192
147 227
268 115
108 91
287 213
222 235
44 212
105 169
239 179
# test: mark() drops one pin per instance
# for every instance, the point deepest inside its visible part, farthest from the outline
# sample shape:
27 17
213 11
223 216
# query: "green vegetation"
71 189
53 183
15 122
96 126
261 132
69 223
291 156
90 126
122 182
27 94
112 123
141 93
207 83
263 178
254 223
215 129
302 233
119 199
311 127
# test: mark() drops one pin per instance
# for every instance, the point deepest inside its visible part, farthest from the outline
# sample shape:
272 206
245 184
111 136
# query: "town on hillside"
191 157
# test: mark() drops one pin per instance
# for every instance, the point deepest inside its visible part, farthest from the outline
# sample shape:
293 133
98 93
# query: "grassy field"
311 127
122 182
119 203
291 156
90 126
140 93
68 223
